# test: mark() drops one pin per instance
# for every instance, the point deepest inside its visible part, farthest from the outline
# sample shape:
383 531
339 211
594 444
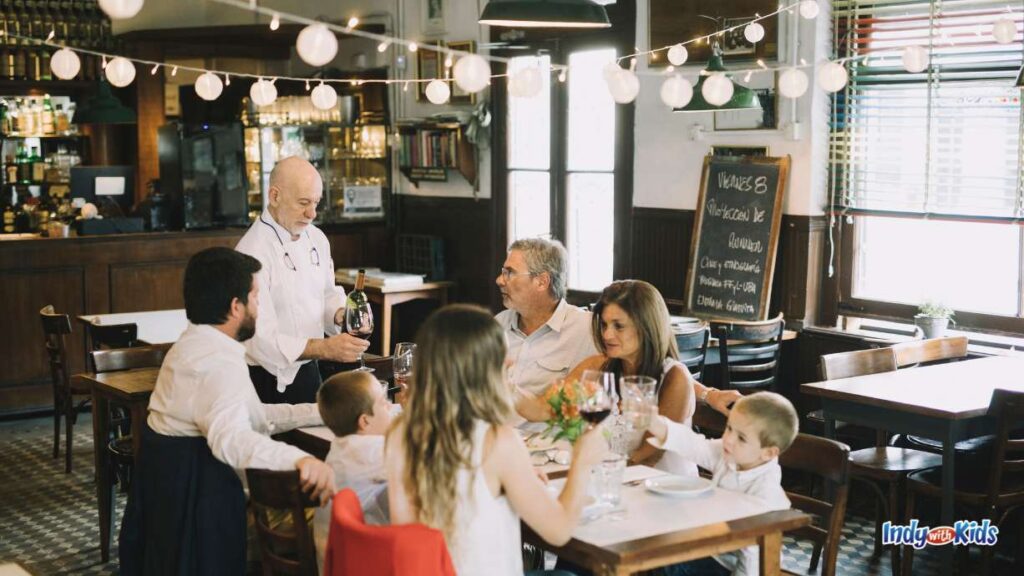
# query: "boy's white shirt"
764 482
358 464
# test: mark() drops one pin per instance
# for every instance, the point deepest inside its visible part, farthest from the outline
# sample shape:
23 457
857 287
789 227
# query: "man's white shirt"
204 389
295 305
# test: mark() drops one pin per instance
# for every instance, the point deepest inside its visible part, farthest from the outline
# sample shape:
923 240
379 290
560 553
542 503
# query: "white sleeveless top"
486 539
672 462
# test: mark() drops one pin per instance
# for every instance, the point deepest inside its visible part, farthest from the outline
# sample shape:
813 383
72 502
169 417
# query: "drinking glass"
638 396
359 323
402 363
596 401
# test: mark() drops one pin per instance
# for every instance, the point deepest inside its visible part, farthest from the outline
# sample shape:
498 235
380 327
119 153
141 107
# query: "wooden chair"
749 353
286 548
848 365
915 352
708 421
693 349
828 461
56 327
992 493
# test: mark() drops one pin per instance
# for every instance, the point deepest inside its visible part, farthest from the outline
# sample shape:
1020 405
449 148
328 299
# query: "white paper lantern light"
324 97
65 64
678 54
915 59
209 86
120 72
753 32
717 89
809 9
793 83
676 91
472 73
526 83
832 76
121 9
623 85
438 91
316 45
1004 30
262 92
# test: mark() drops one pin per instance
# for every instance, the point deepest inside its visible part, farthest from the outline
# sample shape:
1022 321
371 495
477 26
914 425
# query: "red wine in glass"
595 416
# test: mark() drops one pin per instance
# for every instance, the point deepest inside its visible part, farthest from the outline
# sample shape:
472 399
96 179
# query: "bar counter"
107 274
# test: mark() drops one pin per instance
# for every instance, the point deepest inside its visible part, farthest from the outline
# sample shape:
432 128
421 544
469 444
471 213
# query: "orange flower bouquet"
564 397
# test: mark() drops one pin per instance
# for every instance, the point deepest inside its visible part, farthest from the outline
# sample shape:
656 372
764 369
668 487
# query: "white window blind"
943 142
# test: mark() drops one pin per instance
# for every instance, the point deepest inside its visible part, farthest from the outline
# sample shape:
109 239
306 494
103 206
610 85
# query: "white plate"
678 486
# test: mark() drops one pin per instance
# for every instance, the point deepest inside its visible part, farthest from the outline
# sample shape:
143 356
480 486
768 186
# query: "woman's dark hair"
213 278
646 308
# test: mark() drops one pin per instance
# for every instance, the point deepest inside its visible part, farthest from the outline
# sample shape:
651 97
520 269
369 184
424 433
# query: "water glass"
608 480
638 397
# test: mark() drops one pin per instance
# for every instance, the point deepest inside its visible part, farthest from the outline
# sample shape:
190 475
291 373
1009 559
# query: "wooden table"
155 327
946 402
387 298
132 389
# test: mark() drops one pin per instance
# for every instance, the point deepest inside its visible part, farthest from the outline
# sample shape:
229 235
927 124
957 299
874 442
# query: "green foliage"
935 309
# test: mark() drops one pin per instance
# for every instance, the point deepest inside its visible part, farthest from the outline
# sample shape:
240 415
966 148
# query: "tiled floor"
48 521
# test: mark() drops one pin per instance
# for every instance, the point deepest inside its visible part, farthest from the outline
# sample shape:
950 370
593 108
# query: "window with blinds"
946 142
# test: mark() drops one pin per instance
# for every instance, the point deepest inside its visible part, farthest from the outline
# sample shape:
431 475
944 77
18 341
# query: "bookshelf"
431 151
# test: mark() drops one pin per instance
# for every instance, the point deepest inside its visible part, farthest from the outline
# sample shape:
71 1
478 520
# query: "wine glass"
402 364
598 390
359 323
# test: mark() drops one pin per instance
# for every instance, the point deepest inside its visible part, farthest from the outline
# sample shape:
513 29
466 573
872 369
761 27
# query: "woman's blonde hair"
458 380
646 308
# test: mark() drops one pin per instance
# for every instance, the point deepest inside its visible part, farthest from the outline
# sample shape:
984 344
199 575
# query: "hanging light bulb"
793 83
316 45
262 92
155 69
915 59
1004 30
832 76
753 32
120 9
676 91
324 96
174 71
413 47
65 64
353 22
563 75
526 83
471 73
209 86
275 22
717 89
383 46
622 84
677 55
809 9
438 91
227 80
120 72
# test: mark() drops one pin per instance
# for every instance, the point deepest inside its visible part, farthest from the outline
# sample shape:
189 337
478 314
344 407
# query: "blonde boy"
760 427
356 409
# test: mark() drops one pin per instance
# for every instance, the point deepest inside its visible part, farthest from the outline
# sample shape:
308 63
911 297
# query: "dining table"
946 402
154 326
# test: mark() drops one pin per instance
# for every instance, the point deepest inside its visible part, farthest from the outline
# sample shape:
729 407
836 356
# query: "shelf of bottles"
347 154
38 146
78 22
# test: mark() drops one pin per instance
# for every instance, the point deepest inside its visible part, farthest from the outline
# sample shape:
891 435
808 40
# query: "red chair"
355 549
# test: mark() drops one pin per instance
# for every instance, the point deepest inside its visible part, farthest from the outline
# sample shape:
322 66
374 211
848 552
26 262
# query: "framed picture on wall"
765 87
434 17
673 21
751 151
460 96
428 67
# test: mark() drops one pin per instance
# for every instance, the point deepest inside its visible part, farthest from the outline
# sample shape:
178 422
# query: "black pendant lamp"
104 108
545 14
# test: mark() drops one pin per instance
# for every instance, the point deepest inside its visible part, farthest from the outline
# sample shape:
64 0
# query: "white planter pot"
932 327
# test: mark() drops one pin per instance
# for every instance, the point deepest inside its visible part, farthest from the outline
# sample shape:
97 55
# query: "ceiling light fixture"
742 98
545 14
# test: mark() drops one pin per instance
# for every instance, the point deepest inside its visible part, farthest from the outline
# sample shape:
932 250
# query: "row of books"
429 148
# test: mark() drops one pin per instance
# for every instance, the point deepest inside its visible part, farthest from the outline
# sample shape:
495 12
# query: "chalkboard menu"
732 255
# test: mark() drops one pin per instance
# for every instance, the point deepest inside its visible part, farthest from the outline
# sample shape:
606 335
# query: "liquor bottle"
38 166
5 52
34 30
60 120
10 171
48 124
21 161
8 219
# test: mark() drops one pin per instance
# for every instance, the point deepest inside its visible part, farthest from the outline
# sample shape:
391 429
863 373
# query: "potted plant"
933 318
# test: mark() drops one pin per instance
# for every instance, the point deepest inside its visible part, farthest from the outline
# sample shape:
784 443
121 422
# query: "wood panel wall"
105 274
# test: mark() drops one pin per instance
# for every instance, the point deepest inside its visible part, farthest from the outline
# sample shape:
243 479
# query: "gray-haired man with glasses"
547 336
301 302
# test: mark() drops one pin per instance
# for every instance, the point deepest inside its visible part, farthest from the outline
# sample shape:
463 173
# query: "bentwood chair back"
829 461
56 328
129 358
914 352
356 549
285 547
749 353
857 363
693 348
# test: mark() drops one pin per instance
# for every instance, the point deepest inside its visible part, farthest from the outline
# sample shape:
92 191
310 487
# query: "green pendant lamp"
743 98
104 108
1020 77
545 14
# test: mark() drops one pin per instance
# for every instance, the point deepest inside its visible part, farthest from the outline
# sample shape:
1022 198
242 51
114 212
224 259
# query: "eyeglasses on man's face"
507 273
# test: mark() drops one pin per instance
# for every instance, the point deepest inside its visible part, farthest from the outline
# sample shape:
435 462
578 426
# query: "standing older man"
303 303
